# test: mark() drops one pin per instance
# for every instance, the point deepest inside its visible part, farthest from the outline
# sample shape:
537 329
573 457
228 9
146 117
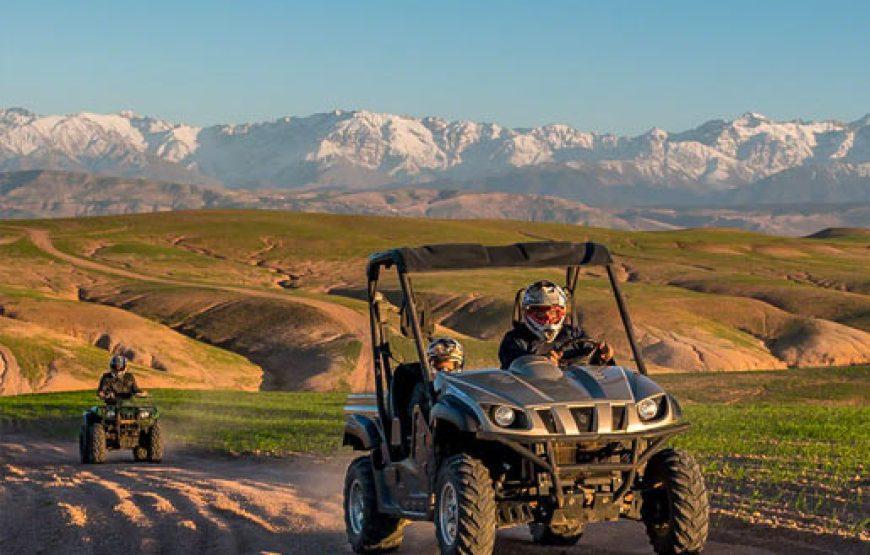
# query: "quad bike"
121 424
550 446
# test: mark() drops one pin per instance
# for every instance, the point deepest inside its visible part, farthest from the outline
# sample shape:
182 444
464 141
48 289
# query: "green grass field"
766 440
229 422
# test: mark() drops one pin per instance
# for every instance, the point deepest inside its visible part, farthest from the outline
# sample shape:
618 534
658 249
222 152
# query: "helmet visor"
546 315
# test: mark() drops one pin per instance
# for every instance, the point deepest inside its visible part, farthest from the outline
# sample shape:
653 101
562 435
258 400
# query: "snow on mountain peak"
350 146
751 119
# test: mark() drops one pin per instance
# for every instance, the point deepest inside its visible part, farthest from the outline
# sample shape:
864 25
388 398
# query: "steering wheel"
573 354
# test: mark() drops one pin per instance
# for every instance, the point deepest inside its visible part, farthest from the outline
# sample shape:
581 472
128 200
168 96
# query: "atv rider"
542 330
445 355
118 384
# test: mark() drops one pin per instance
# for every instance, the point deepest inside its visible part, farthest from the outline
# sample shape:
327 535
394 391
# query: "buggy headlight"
144 413
110 413
504 416
648 408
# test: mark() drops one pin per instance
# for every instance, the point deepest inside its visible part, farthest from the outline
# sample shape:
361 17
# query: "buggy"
548 446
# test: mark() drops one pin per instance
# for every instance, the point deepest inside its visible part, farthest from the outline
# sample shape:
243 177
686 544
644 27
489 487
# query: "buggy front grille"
583 418
548 419
619 421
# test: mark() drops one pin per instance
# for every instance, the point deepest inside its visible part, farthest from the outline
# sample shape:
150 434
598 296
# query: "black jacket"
520 341
116 388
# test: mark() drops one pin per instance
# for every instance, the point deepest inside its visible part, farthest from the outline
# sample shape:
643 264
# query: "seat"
405 377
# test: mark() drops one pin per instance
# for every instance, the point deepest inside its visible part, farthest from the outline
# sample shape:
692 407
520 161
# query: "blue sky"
604 66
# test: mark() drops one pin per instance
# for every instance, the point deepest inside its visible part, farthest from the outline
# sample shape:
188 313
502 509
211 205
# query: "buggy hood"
577 386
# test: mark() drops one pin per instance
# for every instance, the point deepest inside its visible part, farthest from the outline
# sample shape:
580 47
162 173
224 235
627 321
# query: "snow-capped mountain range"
361 149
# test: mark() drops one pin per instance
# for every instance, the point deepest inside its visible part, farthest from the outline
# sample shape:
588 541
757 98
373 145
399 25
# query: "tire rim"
448 513
356 505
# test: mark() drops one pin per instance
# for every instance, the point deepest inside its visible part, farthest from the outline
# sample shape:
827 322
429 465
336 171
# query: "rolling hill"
274 296
51 194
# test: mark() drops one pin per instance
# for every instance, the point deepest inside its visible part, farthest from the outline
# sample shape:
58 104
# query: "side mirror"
424 316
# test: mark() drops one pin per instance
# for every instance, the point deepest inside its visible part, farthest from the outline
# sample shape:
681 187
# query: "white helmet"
446 349
544 307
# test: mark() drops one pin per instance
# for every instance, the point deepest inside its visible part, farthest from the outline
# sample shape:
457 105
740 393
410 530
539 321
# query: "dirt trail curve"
352 321
198 503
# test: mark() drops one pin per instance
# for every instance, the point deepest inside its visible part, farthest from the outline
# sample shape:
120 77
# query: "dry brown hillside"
271 300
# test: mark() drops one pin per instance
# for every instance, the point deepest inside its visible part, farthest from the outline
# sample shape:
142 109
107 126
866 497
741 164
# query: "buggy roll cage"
433 258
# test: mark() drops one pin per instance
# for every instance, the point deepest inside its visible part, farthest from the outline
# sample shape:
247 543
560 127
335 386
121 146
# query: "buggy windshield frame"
471 256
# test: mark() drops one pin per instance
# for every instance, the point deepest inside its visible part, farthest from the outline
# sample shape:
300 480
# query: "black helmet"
118 363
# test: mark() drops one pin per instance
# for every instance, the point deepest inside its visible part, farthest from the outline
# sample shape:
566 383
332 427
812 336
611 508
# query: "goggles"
545 315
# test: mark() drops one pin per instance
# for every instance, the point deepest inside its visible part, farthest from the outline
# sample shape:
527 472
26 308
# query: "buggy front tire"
465 511
543 534
675 507
154 444
368 531
140 453
96 443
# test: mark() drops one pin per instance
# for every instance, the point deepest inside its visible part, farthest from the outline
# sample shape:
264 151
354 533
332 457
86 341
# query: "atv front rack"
654 441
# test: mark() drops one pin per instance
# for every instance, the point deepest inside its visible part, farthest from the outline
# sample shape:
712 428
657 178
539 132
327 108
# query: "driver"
445 354
542 331
117 383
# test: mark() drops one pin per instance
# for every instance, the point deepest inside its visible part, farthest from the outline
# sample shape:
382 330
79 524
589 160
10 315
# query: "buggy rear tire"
465 511
154 444
368 531
96 444
543 534
675 507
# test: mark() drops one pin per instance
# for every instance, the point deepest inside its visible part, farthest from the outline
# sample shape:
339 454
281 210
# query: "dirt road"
200 503
350 320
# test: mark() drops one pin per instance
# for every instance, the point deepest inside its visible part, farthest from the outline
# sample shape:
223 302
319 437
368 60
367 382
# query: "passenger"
118 384
445 355
542 330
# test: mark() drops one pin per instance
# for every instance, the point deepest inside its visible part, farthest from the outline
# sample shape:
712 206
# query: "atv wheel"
140 453
543 534
675 506
96 444
367 530
154 444
465 513
83 445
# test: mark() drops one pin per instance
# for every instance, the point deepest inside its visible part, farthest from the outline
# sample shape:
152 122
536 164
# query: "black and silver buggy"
551 447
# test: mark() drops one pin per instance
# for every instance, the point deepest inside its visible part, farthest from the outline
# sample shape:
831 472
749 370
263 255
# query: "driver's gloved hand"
605 351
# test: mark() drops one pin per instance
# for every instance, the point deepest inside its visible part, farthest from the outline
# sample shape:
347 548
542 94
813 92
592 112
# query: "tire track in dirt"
204 503
193 504
348 319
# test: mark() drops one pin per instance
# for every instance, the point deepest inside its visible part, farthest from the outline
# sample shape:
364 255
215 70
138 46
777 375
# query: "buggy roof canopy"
467 256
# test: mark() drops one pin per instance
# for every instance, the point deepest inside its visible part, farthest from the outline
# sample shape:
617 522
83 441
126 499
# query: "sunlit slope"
701 299
62 343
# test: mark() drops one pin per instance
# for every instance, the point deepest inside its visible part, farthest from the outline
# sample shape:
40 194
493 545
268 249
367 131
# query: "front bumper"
644 444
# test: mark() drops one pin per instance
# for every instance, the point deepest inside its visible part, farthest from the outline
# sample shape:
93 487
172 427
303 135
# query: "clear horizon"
606 67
